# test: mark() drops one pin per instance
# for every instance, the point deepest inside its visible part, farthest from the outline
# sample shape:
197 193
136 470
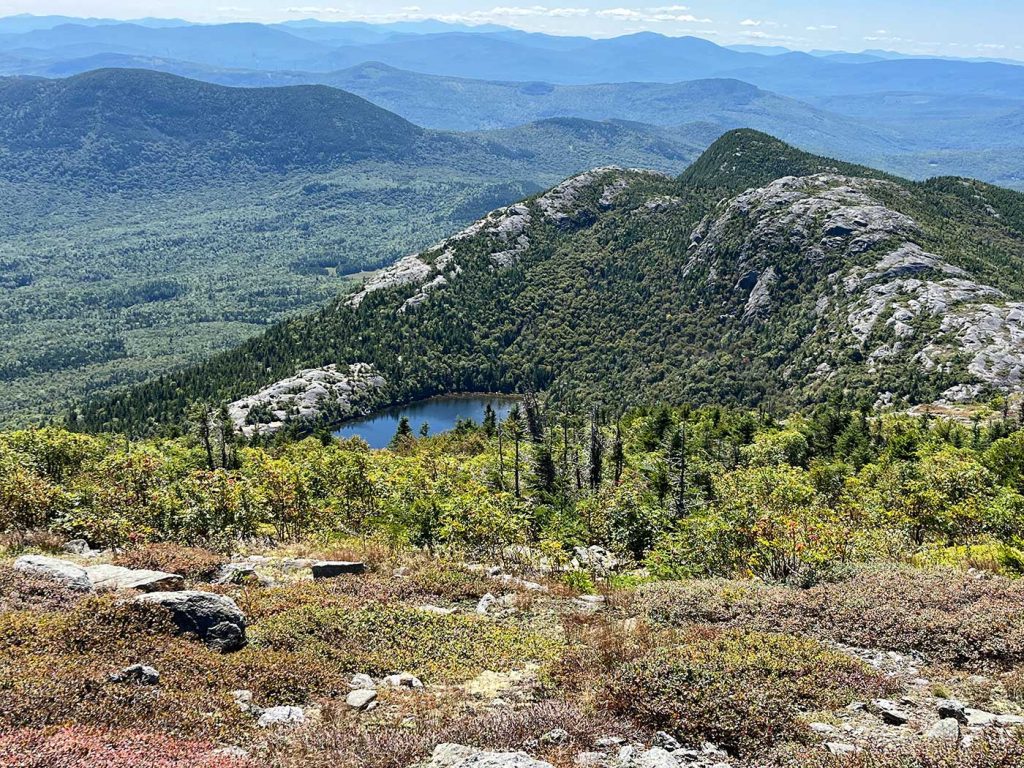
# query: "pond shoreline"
440 412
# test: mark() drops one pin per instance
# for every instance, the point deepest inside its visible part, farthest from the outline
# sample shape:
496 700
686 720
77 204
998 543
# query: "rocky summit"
761 274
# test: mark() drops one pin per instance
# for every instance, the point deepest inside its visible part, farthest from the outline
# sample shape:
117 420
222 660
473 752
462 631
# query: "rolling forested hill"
761 274
147 220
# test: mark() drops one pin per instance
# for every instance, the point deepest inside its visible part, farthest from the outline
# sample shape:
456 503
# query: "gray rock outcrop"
342 390
215 619
53 569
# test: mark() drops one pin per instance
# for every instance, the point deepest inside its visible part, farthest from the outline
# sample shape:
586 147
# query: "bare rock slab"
105 577
54 569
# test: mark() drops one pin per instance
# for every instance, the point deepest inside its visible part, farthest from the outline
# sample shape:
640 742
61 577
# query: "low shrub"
89 747
741 690
341 742
946 615
994 557
23 592
190 562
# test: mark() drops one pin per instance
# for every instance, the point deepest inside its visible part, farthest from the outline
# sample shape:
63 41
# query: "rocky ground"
342 656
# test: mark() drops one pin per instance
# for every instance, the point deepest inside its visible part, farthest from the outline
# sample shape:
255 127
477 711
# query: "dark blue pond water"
441 413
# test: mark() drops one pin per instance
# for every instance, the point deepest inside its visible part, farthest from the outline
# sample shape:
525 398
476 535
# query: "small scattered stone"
281 716
840 748
79 547
946 729
238 573
890 712
977 718
822 728
243 700
362 681
554 737
403 680
666 741
1010 720
361 699
136 673
609 742
402 572
329 569
485 603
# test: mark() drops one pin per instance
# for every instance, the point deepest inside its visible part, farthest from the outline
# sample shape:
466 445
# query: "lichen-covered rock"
307 396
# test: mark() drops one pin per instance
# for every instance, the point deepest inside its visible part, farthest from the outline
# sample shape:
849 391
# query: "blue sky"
990 28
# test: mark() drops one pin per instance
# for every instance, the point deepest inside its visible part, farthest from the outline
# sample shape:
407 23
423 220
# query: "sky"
985 28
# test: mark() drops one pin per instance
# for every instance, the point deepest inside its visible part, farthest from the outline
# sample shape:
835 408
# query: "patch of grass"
384 639
24 592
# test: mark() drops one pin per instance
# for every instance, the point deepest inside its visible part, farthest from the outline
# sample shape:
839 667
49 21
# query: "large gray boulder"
54 569
215 619
114 578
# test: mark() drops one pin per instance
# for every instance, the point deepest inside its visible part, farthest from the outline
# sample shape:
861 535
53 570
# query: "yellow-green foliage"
692 492
992 556
386 639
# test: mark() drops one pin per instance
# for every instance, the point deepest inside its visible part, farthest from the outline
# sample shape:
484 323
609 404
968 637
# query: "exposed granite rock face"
760 295
884 293
405 271
307 396
506 232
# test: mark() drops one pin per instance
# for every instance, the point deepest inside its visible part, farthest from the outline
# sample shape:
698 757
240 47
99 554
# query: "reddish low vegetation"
88 747
190 562
949 616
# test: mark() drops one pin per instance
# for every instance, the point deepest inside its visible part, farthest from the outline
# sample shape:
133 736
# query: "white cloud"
822 27
658 14
750 23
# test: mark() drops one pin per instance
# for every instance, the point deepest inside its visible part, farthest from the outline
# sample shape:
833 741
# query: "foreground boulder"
106 577
328 569
56 570
215 619
461 756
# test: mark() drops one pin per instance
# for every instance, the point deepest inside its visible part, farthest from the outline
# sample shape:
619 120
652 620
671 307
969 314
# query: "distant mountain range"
760 275
497 54
915 116
147 220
